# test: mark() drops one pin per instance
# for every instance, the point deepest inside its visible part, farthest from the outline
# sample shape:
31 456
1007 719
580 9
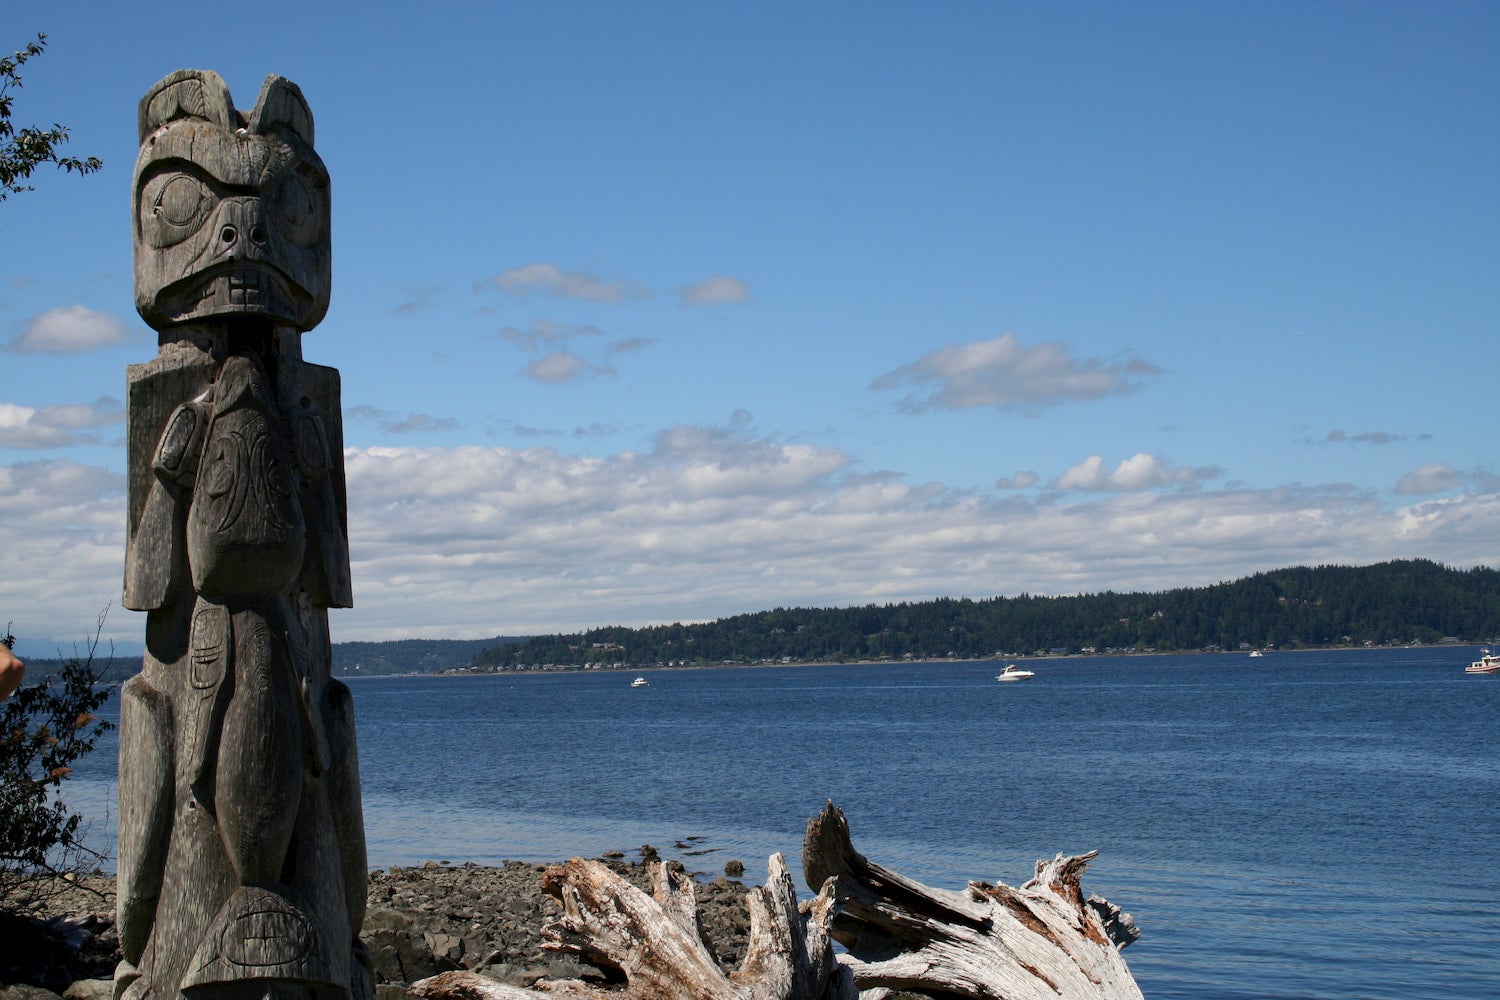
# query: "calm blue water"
1304 825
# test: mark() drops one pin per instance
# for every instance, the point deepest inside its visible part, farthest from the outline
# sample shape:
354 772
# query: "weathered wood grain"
1042 941
654 943
242 864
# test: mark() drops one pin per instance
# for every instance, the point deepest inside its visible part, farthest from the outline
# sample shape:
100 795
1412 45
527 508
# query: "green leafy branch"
23 150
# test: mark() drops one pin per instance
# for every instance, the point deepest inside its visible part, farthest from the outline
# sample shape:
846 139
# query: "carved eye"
172 207
179 201
300 207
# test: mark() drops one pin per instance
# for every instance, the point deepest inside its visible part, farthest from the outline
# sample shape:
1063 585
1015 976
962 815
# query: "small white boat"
1014 673
1486 664
639 682
1255 652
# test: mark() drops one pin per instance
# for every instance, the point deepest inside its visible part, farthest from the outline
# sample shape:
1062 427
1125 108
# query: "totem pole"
242 854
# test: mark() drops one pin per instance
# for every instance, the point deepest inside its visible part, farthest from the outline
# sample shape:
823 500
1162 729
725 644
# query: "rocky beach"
57 939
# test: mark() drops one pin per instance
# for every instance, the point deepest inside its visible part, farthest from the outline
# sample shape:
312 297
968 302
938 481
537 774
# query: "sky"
653 312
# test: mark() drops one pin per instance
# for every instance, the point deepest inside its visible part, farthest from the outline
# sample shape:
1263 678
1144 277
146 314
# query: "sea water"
1299 825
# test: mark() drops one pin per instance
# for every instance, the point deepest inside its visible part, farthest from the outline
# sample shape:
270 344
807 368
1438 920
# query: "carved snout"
240 231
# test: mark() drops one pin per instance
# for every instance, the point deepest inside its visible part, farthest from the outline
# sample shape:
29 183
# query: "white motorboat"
639 682
1255 652
1486 664
1014 673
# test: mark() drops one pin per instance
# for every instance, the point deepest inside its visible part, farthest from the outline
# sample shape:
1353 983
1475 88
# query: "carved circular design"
173 205
179 201
261 938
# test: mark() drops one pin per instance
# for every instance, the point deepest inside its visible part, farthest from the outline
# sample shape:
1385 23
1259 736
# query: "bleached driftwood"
1043 941
655 943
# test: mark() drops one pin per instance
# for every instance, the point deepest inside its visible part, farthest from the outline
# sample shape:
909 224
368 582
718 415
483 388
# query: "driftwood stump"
655 943
1042 941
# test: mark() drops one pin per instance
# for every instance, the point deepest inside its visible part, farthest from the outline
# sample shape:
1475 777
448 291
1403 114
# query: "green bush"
44 728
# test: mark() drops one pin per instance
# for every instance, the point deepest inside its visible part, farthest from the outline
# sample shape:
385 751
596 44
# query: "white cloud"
63 535
72 330
57 426
718 520
713 521
714 291
1134 474
417 299
1429 478
1004 373
394 423
549 279
563 366
19 428
1023 480
1363 437
627 346
546 333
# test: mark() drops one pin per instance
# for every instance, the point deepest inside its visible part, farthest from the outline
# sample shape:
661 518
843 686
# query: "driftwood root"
1043 941
655 943
1039 942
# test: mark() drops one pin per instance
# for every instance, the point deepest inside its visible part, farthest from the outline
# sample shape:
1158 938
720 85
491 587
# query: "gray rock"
504 972
444 947
90 989
568 967
488 919
21 991
386 919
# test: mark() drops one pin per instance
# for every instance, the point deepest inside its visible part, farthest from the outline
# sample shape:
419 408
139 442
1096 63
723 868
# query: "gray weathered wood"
1043 941
654 941
242 864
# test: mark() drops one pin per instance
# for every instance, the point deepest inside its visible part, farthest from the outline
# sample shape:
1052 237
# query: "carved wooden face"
231 208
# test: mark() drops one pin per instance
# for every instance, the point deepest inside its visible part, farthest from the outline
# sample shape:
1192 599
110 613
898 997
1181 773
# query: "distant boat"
639 682
1014 673
1255 652
1486 664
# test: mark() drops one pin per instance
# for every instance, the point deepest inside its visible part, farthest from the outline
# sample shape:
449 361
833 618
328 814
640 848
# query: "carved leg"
145 810
260 771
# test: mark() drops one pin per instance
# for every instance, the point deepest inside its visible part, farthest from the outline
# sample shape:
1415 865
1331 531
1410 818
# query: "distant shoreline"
639 669
39 667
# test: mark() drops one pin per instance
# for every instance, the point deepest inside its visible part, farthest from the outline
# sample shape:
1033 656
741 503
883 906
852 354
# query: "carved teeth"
246 288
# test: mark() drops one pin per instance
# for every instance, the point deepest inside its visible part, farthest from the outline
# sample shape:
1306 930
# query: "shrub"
45 727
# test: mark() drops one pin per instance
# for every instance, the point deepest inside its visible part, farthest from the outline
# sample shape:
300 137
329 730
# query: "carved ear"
281 105
187 93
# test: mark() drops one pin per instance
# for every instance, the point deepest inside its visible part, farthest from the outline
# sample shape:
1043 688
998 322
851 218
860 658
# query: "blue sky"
652 312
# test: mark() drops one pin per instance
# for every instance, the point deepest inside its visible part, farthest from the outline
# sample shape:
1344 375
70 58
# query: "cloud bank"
1139 472
57 426
717 520
1428 479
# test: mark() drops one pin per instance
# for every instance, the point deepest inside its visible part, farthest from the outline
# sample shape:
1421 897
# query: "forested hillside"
1392 603
409 656
350 659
